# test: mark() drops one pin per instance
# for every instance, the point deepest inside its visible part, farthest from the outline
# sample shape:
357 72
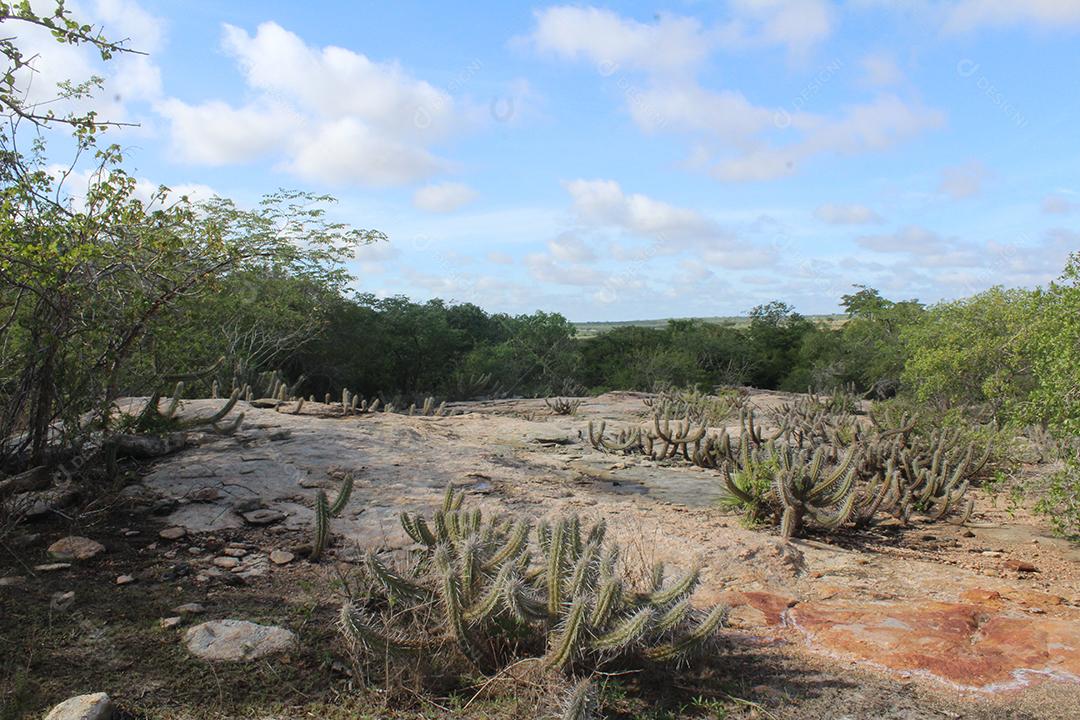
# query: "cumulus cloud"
443 197
968 15
669 51
327 114
852 214
603 202
570 248
963 181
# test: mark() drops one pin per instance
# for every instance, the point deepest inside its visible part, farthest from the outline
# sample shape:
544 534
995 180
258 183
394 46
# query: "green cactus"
563 602
563 406
806 490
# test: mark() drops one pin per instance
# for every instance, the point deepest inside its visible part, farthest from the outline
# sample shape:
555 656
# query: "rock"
74 547
189 609
230 640
970 646
12 581
124 580
205 495
131 533
177 571
173 533
226 562
83 707
62 600
281 557
234 552
1021 566
170 622
992 553
263 517
164 506
244 505
51 567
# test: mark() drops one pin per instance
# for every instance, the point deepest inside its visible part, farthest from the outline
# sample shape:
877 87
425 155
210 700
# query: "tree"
84 283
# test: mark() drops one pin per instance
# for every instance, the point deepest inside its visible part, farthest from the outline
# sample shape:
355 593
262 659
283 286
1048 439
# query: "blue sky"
626 161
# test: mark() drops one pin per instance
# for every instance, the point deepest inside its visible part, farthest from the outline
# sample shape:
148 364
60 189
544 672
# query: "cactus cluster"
495 589
324 512
563 406
151 419
699 407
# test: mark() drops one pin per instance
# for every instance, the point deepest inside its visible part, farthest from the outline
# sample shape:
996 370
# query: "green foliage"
498 598
965 352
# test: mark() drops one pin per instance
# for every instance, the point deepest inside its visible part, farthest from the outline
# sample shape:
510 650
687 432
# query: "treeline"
1013 354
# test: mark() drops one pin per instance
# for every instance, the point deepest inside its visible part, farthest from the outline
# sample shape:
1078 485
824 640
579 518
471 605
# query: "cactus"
324 512
562 406
806 491
563 602
174 404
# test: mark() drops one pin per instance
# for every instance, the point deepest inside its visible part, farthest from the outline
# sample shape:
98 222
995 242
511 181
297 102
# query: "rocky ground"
931 620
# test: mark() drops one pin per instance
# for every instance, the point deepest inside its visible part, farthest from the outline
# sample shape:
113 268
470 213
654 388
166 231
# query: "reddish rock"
758 608
980 596
1020 566
972 646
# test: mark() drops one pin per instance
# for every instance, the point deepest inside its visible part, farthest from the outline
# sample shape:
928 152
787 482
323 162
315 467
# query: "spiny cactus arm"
342 498
230 427
596 533
450 591
656 576
519 601
322 526
579 705
606 602
299 406
842 475
484 608
448 498
733 489
583 578
790 521
354 625
692 641
835 520
416 528
625 633
511 548
596 436
965 514
631 441
677 591
469 552
555 567
674 616
568 642
398 587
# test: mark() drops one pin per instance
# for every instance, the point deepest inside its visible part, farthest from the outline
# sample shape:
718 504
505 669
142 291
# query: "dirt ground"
925 621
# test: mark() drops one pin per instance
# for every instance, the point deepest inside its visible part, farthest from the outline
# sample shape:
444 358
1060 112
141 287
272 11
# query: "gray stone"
231 640
281 557
170 622
124 579
263 517
172 533
226 562
50 567
83 707
74 547
189 609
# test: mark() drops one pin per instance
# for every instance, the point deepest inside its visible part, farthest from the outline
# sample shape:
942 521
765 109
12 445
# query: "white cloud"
328 115
880 69
968 15
570 248
963 181
612 42
603 202
75 184
852 214
796 24
1059 204
874 126
443 197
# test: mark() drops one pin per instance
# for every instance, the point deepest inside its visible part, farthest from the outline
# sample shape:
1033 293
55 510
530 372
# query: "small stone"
131 533
61 600
170 622
84 707
173 533
244 505
263 517
124 579
1020 566
968 534
74 547
189 609
51 567
12 581
237 640
226 562
194 550
992 553
235 552
281 557
206 495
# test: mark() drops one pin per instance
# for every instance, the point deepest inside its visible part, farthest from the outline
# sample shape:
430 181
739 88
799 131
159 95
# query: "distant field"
589 329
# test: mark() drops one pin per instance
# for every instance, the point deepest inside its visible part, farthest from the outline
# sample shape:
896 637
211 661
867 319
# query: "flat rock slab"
74 547
263 517
230 640
83 707
974 647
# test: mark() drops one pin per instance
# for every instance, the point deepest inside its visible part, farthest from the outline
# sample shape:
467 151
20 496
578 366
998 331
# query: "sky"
623 161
